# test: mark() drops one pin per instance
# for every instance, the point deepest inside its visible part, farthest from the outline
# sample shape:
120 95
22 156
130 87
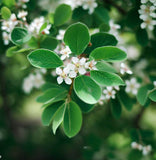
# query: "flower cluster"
147 14
108 93
125 69
36 24
132 86
145 149
89 5
34 80
73 67
7 27
34 27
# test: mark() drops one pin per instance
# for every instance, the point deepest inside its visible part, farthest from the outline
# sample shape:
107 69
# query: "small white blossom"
101 100
38 80
132 86
114 28
63 76
28 83
60 36
91 65
147 13
46 30
146 150
65 53
90 5
135 145
154 83
79 64
109 93
125 69
6 38
22 15
73 3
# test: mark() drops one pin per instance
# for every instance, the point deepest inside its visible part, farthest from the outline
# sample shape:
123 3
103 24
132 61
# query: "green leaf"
87 89
20 36
77 37
5 12
142 37
116 108
110 54
125 100
58 118
52 95
72 119
12 51
152 95
62 14
44 25
142 94
104 66
9 3
101 39
49 112
43 58
106 78
85 108
104 27
101 15
25 50
48 42
49 85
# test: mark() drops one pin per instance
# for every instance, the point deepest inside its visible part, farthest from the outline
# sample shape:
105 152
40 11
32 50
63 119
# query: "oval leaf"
5 12
49 112
20 36
87 89
101 39
110 54
52 95
152 95
58 118
72 119
106 78
43 58
77 37
62 14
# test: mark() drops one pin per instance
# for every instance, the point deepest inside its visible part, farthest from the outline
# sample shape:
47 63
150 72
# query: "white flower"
91 65
6 38
135 145
61 34
63 75
148 23
79 64
65 53
8 25
154 83
125 69
36 24
114 28
132 86
144 1
73 3
28 83
109 93
146 150
38 80
90 5
22 15
101 100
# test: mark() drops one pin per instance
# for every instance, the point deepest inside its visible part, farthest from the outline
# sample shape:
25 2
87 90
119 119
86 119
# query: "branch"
119 8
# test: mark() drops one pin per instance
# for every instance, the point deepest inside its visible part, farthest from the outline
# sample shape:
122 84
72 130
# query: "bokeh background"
102 137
